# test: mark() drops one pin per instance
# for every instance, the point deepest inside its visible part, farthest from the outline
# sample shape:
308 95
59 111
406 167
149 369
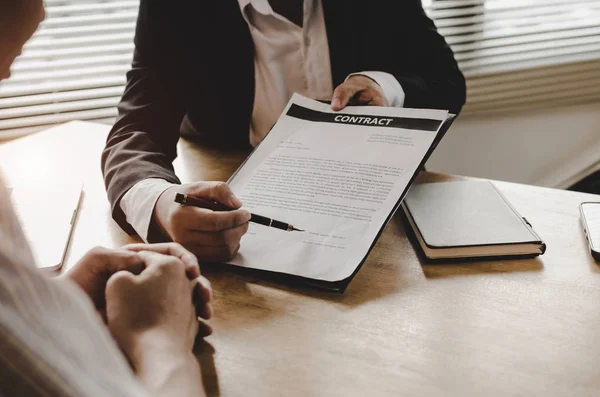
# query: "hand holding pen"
185 199
213 236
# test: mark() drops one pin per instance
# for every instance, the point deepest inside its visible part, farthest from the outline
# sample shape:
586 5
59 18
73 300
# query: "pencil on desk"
200 202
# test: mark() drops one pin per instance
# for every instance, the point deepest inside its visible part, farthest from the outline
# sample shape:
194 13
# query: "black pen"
184 199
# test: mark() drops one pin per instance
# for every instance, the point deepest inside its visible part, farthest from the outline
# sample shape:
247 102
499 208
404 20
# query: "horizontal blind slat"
80 41
68 74
126 48
126 16
34 65
56 118
62 107
57 10
591 34
533 64
533 100
41 88
516 58
548 103
87 30
557 89
57 97
492 81
531 50
526 32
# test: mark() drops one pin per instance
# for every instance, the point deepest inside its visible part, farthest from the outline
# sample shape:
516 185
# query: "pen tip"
297 230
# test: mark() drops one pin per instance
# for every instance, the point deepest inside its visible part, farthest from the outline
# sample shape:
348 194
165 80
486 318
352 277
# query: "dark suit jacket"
193 68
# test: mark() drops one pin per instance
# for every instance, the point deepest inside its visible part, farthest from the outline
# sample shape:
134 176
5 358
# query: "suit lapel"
341 31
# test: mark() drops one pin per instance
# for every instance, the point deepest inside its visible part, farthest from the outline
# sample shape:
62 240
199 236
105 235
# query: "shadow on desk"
368 285
433 271
205 353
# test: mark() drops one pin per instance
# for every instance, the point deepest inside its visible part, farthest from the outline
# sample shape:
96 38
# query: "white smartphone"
590 217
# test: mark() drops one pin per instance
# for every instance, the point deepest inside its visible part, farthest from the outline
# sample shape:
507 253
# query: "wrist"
139 202
157 231
159 362
147 346
163 366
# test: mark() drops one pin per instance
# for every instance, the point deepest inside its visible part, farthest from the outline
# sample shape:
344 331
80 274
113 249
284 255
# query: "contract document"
340 176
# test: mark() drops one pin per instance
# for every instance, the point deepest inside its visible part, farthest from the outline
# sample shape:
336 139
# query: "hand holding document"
339 176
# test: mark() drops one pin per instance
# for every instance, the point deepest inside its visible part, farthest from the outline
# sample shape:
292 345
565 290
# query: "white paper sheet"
339 179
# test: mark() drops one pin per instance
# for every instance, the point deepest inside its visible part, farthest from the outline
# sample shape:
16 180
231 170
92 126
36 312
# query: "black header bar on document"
300 112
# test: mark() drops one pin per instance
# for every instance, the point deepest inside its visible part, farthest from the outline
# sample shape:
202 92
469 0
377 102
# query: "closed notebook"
466 220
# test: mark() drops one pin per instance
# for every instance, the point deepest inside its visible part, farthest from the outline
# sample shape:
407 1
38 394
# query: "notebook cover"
434 261
466 214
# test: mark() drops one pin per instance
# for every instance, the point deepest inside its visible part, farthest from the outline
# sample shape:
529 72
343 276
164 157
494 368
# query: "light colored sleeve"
389 84
139 202
52 340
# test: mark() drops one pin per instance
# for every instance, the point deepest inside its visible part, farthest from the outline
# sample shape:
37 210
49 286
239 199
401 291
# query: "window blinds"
73 68
516 54
523 54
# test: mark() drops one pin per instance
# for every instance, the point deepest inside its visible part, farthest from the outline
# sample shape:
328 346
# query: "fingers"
359 89
173 249
121 281
228 237
360 97
161 264
204 220
204 330
343 94
371 98
214 221
194 226
202 297
173 305
216 244
200 288
217 191
115 260
93 271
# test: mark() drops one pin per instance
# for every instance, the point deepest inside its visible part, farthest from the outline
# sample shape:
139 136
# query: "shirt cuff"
389 84
139 202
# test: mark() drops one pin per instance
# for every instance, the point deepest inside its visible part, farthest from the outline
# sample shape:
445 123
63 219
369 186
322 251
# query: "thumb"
217 191
342 95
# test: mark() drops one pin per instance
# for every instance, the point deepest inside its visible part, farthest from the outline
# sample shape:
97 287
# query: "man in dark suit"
223 71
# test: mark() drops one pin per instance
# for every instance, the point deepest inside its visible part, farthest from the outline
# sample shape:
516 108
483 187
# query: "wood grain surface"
403 328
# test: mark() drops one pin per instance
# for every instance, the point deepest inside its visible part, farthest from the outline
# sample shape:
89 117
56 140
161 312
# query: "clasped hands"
150 296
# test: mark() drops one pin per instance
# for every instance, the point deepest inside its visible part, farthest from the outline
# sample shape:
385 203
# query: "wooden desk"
513 328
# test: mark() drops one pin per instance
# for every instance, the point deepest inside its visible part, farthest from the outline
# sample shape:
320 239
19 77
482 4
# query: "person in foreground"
223 71
66 336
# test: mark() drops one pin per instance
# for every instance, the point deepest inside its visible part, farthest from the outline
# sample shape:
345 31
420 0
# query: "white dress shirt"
287 59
